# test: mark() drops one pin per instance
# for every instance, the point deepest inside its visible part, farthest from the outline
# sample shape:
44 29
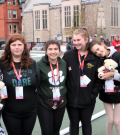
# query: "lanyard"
17 75
82 64
57 66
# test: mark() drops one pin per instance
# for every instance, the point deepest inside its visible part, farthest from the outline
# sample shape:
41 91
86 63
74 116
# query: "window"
9 3
67 39
21 14
14 2
10 29
76 16
37 19
9 14
44 14
112 38
37 39
14 14
15 28
67 16
114 13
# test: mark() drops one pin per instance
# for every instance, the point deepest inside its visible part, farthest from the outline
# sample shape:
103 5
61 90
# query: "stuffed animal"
109 66
2 96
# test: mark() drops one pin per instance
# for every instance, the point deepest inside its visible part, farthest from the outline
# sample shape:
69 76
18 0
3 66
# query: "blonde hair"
84 33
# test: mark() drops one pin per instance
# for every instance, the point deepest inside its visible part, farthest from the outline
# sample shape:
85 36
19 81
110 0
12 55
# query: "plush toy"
109 66
1 95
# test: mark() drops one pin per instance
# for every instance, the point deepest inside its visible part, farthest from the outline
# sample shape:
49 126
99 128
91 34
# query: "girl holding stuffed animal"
21 76
82 82
109 98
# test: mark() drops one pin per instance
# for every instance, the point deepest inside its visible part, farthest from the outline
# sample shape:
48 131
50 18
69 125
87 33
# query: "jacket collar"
90 55
45 60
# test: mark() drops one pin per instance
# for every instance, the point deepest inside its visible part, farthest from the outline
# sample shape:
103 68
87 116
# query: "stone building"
46 19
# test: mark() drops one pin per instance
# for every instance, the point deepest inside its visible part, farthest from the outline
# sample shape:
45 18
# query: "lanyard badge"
109 86
19 89
56 90
84 80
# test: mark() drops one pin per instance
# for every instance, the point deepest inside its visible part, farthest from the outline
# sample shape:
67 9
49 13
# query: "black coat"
78 96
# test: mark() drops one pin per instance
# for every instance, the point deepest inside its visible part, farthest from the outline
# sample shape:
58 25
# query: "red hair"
7 56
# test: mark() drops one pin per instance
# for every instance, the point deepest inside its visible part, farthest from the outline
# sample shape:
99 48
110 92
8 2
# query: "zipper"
77 86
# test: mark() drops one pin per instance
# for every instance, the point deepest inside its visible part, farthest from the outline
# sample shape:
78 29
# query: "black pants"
19 125
50 120
80 114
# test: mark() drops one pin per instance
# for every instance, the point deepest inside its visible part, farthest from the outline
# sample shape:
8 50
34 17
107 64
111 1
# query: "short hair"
49 42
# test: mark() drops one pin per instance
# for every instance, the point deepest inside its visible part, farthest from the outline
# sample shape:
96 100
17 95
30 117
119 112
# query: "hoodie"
45 89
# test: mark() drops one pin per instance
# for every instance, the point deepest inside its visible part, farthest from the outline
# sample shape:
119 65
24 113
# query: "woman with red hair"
21 77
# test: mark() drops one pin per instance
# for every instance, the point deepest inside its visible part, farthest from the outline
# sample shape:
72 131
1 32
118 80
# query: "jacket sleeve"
98 84
117 75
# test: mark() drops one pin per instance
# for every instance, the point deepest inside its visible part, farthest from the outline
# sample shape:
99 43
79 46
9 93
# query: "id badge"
4 92
56 93
19 92
82 81
109 86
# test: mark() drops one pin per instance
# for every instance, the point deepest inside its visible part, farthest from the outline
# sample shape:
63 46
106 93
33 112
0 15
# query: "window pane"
9 13
14 2
67 16
37 19
15 28
76 16
44 19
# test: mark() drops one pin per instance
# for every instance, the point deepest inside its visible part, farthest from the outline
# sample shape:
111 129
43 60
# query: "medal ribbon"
17 75
82 64
57 67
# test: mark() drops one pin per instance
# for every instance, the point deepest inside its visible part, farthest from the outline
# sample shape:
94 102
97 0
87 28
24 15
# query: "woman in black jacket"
109 98
82 83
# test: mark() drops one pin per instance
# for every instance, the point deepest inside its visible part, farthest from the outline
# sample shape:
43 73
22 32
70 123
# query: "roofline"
41 4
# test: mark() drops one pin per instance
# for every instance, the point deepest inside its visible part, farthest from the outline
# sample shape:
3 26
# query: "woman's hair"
94 42
84 33
7 56
49 42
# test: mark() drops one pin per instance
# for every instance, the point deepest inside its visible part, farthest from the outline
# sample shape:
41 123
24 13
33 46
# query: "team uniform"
81 99
51 95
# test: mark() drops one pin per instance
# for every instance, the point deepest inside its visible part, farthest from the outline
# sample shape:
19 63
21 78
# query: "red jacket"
114 43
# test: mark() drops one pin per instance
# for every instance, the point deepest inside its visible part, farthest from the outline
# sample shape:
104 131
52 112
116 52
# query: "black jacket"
78 96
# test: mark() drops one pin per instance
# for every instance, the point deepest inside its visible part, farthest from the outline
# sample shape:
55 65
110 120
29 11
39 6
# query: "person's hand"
107 75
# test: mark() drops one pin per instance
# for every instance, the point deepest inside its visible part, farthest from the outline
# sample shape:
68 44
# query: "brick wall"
5 21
